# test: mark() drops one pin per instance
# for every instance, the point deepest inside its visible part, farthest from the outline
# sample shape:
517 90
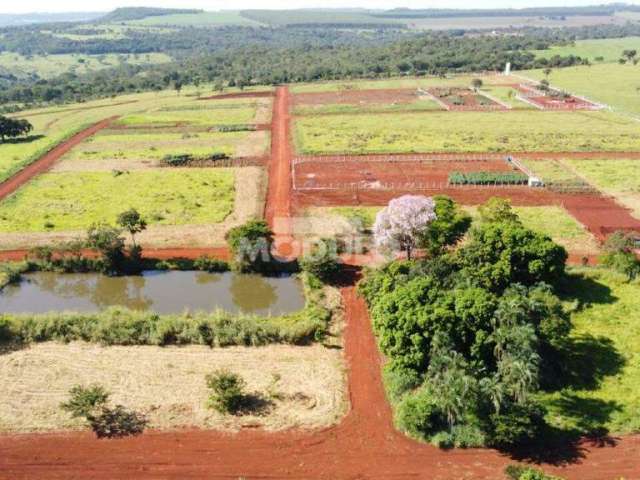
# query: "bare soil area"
348 97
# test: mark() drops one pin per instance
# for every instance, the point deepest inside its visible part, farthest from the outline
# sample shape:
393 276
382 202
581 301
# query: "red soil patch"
224 96
364 445
547 102
45 162
463 99
600 214
396 175
348 97
278 206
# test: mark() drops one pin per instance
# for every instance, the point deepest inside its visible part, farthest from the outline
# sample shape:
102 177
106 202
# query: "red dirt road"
45 162
280 191
221 253
364 446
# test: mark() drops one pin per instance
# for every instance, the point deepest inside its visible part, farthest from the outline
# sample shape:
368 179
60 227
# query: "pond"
163 292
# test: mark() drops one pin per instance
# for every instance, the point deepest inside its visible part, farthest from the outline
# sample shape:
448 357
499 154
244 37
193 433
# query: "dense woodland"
236 55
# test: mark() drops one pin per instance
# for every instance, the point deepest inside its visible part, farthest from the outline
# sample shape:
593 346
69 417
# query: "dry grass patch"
306 384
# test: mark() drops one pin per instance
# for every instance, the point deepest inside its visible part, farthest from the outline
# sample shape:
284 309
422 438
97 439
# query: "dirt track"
45 162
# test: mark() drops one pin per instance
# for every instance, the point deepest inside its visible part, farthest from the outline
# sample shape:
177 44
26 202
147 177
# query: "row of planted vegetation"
250 245
473 334
488 178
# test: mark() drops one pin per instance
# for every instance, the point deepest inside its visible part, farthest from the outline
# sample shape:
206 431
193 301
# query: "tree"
500 254
447 229
132 222
322 260
547 71
477 83
452 388
403 222
110 244
619 254
13 127
497 209
630 55
177 86
250 245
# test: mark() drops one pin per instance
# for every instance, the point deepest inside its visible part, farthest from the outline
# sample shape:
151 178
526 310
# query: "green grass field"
507 95
467 132
617 177
53 125
605 359
154 146
202 113
612 84
408 82
610 49
73 201
338 108
551 171
556 223
53 65
227 17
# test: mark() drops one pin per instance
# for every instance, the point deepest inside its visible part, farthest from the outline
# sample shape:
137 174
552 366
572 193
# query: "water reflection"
162 292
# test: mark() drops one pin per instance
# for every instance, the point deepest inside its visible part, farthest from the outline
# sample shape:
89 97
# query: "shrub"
517 472
85 401
398 381
117 422
516 425
322 261
236 128
488 178
208 264
619 254
108 242
227 391
186 159
418 415
251 246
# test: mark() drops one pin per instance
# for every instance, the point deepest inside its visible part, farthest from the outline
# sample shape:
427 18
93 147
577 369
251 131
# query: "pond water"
158 291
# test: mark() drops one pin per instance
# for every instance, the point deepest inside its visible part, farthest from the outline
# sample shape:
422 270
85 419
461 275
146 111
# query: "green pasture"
203 19
400 82
610 49
508 132
602 389
198 115
338 108
507 95
74 201
49 66
154 146
612 84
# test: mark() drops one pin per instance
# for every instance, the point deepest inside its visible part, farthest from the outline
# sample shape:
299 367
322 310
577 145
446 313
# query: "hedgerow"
488 178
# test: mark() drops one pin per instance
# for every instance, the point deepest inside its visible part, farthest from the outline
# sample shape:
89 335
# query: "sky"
30 6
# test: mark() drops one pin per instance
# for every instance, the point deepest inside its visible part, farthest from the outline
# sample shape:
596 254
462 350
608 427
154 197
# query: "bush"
227 391
208 264
85 401
186 159
117 422
322 261
418 415
516 425
251 247
619 254
517 472
488 178
398 381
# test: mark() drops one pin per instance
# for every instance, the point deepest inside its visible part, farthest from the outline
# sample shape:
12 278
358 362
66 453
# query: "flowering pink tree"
400 224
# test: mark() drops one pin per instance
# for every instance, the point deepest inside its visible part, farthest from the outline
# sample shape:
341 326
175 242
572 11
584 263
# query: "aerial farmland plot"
331 274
